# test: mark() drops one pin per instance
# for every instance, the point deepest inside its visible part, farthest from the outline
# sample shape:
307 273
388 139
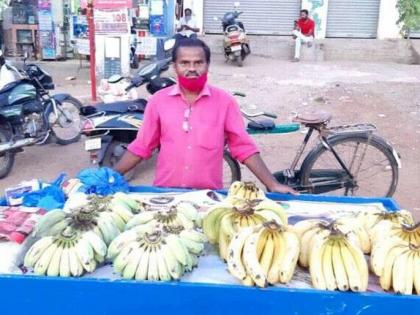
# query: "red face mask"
193 84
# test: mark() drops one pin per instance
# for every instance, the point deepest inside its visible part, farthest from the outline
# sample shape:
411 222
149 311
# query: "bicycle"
328 167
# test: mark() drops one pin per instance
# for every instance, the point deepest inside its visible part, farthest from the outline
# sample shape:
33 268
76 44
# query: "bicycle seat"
313 117
262 124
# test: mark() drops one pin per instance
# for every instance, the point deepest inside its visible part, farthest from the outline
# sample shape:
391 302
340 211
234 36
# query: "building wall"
388 16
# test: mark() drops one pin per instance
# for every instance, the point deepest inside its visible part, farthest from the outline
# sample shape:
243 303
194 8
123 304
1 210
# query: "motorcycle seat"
121 107
262 124
313 117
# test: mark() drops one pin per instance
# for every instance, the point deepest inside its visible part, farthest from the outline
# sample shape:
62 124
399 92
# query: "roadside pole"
91 26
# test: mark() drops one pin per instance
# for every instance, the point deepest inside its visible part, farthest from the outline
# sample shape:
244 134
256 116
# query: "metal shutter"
259 16
353 18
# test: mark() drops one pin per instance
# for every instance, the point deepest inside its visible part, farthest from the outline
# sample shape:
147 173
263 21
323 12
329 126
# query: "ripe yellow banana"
278 255
143 266
339 270
253 267
386 276
379 253
315 263
416 268
288 264
327 266
267 254
399 272
353 274
235 249
306 239
361 265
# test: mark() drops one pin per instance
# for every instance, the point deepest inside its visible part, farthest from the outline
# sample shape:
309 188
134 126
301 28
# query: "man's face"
303 15
191 62
187 15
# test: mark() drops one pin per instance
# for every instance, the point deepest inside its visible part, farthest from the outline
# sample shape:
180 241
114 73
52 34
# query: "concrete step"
369 50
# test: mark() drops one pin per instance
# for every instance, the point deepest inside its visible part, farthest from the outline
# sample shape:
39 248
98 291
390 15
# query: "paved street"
385 94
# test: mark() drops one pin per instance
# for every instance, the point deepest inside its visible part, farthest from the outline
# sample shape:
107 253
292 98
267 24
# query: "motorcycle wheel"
67 126
7 159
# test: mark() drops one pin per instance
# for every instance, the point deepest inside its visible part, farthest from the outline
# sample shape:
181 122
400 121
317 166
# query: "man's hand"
283 189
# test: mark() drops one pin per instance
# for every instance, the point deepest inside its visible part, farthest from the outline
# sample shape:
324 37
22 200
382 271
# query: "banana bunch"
350 227
80 219
69 253
409 233
147 252
336 263
263 254
180 215
245 191
370 219
397 263
223 221
121 206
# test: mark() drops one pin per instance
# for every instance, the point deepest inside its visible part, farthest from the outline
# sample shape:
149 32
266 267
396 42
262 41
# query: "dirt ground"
384 94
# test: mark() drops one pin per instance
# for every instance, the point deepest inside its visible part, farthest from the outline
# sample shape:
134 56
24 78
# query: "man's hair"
188 10
191 42
304 11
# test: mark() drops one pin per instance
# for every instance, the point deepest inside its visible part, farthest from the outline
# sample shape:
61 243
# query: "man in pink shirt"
190 123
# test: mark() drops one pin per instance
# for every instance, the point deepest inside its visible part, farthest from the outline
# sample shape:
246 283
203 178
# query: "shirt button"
187 168
189 147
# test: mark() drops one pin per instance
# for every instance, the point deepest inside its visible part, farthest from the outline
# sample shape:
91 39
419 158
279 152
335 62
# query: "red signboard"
109 4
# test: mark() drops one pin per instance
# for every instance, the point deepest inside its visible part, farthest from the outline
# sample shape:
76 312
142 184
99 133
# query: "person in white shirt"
187 26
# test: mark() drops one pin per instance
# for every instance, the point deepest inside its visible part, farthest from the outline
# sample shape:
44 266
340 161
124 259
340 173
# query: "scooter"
235 42
110 127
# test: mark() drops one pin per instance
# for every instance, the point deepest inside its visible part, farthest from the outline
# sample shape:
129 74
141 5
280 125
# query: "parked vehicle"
235 42
30 115
111 127
348 160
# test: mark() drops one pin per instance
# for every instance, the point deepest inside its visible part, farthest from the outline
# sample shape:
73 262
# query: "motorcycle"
110 127
235 42
30 115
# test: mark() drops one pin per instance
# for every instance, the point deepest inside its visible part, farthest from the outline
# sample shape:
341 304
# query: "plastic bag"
102 181
49 198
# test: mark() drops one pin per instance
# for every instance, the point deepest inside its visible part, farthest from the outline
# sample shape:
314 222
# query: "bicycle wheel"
369 159
231 170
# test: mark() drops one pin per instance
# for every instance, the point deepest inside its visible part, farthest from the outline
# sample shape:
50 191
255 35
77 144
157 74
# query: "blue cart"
58 296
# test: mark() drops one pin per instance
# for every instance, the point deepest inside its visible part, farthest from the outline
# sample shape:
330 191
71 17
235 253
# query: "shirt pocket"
209 137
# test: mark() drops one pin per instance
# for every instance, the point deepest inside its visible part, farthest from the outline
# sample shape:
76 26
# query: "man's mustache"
192 74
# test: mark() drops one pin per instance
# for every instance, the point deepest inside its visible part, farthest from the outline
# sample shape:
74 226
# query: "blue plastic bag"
102 181
49 198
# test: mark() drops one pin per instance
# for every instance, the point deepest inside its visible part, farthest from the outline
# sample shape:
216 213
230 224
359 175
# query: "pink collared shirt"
192 159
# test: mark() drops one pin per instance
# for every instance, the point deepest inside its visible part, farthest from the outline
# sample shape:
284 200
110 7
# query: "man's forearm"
127 162
257 166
